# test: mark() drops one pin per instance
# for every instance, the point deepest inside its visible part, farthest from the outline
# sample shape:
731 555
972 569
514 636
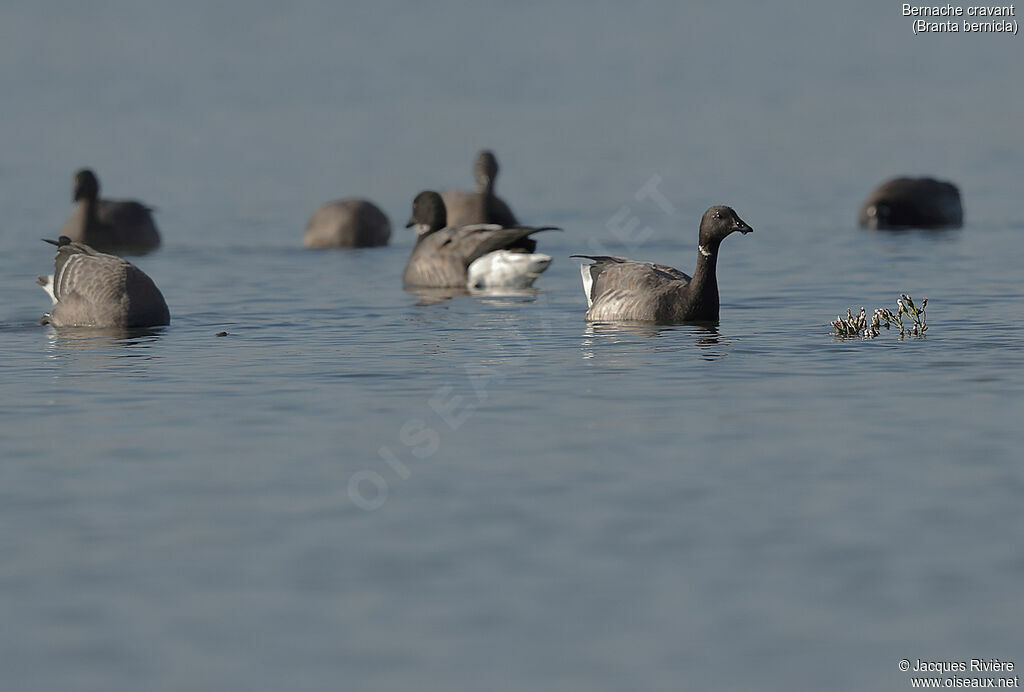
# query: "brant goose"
477 256
121 226
347 223
625 290
913 203
482 206
92 289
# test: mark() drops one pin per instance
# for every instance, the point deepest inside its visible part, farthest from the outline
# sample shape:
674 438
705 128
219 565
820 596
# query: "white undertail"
47 283
507 269
588 282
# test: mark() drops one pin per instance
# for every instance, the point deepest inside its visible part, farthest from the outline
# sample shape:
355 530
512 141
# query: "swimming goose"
624 290
347 223
93 289
482 206
109 225
477 256
912 203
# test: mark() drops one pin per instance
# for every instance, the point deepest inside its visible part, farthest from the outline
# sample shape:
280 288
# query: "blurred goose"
347 223
624 290
477 256
92 289
122 226
912 203
482 206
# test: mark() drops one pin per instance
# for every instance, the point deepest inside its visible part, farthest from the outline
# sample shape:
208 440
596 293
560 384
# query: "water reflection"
433 296
708 339
23 326
111 342
928 234
713 344
500 296
506 296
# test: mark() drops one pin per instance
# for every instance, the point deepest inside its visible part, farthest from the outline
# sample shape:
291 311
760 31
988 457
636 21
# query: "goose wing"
82 273
441 258
131 223
473 242
126 213
622 275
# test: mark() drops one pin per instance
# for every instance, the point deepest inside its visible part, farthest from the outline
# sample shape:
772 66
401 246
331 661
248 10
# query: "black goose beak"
411 223
742 228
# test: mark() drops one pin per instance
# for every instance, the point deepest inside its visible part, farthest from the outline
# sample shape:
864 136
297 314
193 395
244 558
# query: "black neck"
90 209
707 261
89 219
703 289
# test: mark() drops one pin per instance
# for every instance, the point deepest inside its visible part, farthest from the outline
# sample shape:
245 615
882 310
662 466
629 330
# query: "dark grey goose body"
912 203
625 290
351 222
119 226
94 289
482 205
479 256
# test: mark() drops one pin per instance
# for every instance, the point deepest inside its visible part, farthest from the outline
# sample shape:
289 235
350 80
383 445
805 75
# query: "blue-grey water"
361 488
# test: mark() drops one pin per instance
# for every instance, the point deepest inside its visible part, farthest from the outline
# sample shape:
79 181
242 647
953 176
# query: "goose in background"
475 256
624 290
350 222
902 203
93 289
119 226
482 206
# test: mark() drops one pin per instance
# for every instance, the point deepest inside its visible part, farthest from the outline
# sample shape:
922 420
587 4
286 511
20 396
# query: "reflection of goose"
497 296
477 256
92 289
482 206
347 223
507 294
109 225
620 331
101 345
432 296
710 344
912 203
620 289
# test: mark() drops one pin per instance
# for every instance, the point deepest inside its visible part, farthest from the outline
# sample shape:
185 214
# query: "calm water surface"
364 488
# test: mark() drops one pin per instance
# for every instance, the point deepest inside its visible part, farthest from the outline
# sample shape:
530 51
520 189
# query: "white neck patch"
421 228
704 251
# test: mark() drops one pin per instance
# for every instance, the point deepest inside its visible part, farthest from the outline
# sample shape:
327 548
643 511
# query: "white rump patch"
47 283
506 269
588 282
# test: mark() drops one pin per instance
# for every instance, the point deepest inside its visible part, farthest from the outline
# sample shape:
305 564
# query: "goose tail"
507 269
47 283
588 282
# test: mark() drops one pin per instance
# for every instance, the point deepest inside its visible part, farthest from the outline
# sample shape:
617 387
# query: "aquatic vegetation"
858 324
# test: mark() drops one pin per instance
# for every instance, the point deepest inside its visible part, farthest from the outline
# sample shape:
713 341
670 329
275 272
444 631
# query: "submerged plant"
858 325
